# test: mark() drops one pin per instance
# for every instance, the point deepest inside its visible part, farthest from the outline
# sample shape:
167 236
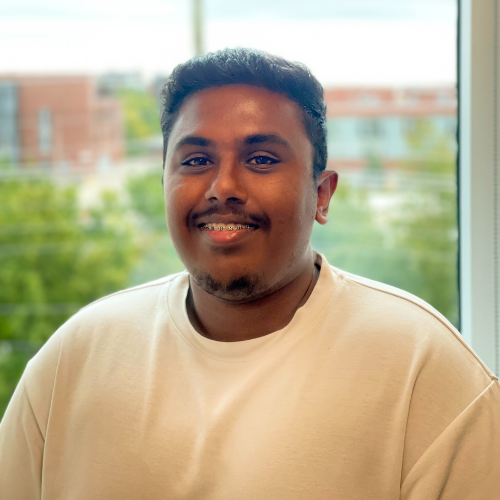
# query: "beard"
244 288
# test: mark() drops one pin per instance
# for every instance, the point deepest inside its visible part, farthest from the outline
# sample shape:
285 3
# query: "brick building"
58 122
372 124
63 122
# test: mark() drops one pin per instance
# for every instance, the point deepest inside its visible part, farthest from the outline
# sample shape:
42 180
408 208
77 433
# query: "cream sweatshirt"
368 393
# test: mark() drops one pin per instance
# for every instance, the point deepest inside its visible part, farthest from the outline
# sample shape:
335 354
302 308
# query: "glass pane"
81 206
44 130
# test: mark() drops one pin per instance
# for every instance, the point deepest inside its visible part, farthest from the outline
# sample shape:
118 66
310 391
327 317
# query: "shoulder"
129 303
131 310
403 318
115 327
109 325
437 375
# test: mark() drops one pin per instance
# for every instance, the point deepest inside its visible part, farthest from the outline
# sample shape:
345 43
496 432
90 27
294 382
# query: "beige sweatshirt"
367 394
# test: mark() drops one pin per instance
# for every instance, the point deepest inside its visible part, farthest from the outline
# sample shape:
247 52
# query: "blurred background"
81 203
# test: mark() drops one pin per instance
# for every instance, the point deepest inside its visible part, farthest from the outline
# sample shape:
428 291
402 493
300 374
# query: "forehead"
231 112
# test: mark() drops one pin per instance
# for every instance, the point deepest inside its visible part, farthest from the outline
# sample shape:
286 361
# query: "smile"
219 226
227 234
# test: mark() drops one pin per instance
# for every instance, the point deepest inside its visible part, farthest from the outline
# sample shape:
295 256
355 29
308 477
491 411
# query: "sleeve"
24 425
21 449
464 461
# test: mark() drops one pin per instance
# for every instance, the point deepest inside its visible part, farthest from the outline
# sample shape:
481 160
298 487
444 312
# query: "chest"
277 430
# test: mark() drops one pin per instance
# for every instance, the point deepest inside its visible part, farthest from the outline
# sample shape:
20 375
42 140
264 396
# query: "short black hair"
252 67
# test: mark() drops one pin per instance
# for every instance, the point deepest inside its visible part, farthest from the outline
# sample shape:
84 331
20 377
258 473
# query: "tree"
141 117
427 223
412 244
352 240
54 259
158 255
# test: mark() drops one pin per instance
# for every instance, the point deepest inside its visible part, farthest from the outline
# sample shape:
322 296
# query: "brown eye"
198 161
262 160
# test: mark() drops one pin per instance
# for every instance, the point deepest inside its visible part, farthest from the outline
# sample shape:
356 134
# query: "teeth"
219 226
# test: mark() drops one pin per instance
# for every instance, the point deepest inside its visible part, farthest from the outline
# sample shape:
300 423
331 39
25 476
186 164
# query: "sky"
344 42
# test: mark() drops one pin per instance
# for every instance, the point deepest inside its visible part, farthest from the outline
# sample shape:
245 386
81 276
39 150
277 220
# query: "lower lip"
227 237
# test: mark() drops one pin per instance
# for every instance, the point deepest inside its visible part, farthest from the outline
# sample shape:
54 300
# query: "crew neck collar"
245 350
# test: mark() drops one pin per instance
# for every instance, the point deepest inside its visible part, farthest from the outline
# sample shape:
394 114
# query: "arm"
464 461
21 449
23 428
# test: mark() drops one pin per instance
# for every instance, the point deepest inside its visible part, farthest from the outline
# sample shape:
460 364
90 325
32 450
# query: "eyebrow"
193 140
269 138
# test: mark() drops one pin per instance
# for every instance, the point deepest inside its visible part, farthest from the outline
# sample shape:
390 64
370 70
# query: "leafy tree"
54 259
352 240
158 256
141 118
413 244
427 223
146 198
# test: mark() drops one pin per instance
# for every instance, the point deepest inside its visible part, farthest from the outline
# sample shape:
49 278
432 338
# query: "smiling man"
242 191
261 372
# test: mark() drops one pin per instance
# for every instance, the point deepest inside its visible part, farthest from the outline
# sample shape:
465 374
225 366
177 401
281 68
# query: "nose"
227 183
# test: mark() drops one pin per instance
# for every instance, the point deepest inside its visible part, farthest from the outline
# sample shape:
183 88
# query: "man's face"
239 190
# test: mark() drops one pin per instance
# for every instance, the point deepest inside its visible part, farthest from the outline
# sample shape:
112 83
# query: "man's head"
244 179
256 68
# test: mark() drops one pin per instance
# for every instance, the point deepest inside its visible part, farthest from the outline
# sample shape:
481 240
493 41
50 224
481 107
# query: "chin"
237 288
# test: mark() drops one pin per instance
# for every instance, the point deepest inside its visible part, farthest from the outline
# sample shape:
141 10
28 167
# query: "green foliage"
141 114
158 255
412 244
351 240
427 229
146 196
142 119
427 224
53 260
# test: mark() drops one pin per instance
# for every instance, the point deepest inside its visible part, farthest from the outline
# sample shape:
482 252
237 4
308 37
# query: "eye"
262 160
197 161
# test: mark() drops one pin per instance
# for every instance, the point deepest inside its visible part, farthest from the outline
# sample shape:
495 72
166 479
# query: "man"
261 372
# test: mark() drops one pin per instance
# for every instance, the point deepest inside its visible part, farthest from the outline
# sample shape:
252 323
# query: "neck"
251 319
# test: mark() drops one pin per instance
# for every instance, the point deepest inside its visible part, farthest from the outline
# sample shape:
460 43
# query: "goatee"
240 288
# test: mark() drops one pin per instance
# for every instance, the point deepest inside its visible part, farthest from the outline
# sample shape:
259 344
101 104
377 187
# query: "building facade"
58 122
65 122
374 126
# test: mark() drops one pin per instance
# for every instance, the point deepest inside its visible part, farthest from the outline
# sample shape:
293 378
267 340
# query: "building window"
370 128
44 130
9 140
410 125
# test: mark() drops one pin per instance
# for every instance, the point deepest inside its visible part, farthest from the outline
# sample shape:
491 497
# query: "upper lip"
225 219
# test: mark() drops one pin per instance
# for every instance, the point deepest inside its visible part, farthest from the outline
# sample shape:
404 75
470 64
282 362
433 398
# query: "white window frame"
479 173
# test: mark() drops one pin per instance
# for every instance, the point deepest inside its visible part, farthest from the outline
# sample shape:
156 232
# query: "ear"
326 185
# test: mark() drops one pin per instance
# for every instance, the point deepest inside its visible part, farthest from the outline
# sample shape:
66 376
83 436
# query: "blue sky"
363 42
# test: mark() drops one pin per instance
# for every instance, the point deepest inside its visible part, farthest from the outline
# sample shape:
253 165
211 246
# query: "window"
44 131
479 178
391 111
9 140
370 129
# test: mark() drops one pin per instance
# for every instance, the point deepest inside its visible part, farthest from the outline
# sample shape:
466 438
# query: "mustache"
261 220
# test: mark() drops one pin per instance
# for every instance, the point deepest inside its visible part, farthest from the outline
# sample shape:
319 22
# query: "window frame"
478 177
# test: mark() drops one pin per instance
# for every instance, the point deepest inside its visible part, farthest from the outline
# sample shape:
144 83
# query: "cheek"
293 214
178 199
